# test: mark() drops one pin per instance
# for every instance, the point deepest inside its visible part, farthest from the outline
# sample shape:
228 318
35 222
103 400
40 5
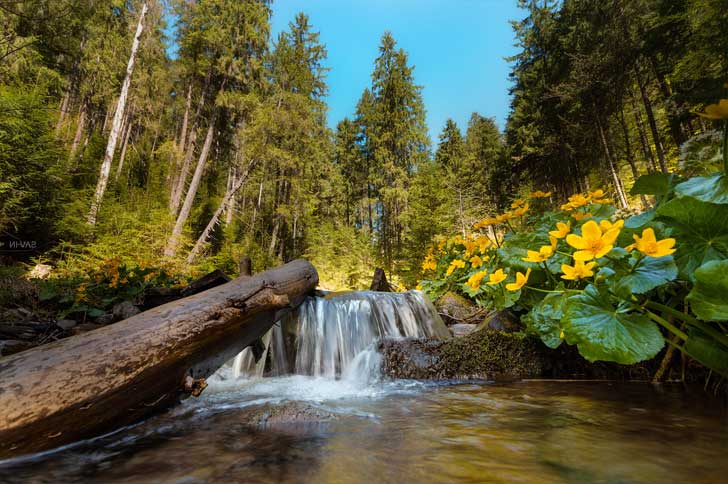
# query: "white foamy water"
326 350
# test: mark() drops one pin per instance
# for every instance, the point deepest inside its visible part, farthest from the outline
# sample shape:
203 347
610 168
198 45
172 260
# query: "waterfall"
333 336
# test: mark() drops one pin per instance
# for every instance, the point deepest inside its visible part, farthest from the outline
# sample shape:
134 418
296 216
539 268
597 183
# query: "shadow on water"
537 431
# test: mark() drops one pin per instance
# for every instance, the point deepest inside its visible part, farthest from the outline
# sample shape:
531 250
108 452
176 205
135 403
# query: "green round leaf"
707 351
708 297
653 184
711 189
545 319
647 274
603 332
701 231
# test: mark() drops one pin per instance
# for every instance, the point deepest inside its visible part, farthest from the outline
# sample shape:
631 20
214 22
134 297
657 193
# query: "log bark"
96 382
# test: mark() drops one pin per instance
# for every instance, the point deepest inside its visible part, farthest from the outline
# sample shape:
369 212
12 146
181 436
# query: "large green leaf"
638 276
545 318
701 230
653 184
707 351
711 189
605 332
709 296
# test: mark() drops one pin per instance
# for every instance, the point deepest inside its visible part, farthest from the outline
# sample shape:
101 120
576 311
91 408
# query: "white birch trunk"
116 124
79 132
184 213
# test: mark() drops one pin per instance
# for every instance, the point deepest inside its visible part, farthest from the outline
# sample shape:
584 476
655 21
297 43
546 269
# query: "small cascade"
334 336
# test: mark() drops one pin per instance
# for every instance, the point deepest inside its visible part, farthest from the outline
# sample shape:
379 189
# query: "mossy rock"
498 356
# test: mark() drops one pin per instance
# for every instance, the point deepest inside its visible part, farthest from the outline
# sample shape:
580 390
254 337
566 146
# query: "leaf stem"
705 328
667 325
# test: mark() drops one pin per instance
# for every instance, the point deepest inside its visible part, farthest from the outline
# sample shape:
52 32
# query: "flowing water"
397 431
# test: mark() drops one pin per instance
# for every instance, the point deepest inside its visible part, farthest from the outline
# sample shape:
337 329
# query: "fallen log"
93 383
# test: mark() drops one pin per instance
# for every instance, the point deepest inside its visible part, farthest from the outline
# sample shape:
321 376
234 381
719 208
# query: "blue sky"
457 47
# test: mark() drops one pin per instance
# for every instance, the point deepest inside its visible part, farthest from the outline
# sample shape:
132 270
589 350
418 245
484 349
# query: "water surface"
535 431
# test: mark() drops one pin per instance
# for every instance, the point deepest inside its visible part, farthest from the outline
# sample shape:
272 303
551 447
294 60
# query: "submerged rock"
286 414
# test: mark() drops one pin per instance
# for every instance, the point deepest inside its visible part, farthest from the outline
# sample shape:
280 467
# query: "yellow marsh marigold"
470 247
483 244
429 265
579 216
543 253
575 201
497 277
593 242
562 230
502 217
579 270
521 280
520 212
606 225
474 280
476 262
650 246
519 202
715 111
540 194
456 264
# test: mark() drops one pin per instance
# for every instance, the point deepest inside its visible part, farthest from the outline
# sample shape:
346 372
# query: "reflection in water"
413 432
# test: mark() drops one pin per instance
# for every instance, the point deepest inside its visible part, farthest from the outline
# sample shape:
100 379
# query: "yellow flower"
650 246
475 279
518 203
469 247
562 230
540 194
543 253
593 243
502 217
716 111
596 194
521 280
497 277
429 265
579 216
483 244
606 225
579 270
578 200
456 264
520 212
476 262
418 287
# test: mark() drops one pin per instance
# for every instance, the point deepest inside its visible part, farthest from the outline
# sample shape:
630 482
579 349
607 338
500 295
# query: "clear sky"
457 46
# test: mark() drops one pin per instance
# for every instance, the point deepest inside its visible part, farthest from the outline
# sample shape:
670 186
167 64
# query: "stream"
369 430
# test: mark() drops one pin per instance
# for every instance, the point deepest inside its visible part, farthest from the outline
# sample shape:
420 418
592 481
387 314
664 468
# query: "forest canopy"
111 149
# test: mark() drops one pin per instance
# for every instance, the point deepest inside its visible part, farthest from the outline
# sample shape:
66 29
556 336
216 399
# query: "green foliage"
708 296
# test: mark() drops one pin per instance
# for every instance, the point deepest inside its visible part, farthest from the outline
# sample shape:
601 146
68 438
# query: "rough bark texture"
116 124
379 281
96 382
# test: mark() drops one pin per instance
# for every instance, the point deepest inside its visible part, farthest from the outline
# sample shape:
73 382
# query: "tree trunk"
628 152
96 382
116 124
653 124
181 179
188 105
79 131
608 155
184 213
62 112
676 129
229 195
123 149
649 157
